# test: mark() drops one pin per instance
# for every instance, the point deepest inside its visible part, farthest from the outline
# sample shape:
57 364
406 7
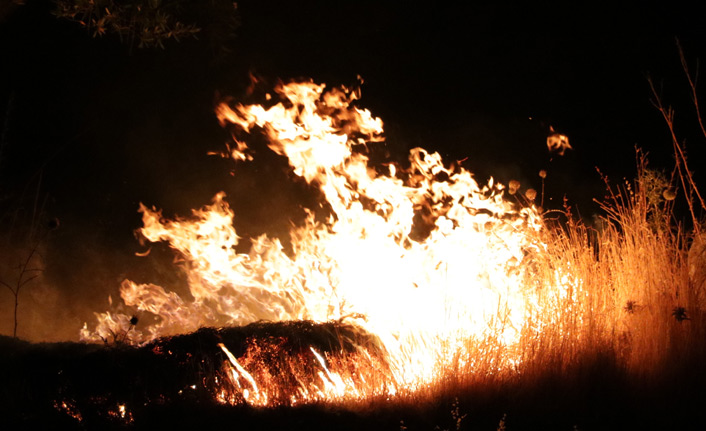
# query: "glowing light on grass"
431 263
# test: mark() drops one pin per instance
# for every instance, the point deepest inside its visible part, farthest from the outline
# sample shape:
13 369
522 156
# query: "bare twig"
685 176
21 281
692 85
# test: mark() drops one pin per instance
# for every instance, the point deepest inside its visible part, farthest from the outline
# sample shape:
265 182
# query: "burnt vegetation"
87 386
169 384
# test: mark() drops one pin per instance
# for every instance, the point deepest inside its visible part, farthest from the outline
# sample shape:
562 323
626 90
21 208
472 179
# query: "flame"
420 255
122 414
557 142
69 408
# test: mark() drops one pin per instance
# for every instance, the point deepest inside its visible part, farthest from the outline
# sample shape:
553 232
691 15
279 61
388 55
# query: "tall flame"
423 257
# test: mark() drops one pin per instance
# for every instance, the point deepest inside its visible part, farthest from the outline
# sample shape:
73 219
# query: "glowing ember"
423 257
69 408
557 142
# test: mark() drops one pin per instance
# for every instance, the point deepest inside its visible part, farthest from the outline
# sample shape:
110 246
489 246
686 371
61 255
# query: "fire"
421 256
69 408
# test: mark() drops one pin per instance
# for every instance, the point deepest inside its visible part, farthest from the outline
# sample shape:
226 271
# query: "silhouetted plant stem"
24 271
692 86
685 176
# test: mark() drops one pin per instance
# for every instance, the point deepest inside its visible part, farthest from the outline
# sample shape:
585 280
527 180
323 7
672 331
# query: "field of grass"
613 336
78 386
624 350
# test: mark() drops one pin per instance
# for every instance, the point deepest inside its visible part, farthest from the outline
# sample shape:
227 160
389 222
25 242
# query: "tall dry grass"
633 296
621 299
623 296
620 345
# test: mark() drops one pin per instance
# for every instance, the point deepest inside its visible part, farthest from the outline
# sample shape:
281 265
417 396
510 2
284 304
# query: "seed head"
531 194
513 186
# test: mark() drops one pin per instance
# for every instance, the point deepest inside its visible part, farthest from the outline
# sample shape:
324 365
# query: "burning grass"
416 286
172 382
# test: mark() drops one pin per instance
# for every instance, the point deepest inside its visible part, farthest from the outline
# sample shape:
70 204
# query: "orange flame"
427 296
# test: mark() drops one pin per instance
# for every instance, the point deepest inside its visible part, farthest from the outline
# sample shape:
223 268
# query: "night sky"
91 127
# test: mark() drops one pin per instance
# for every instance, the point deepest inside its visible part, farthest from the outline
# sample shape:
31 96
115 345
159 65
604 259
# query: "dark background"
92 126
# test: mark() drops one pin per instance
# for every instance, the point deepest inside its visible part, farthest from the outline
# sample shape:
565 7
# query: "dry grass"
626 333
615 338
